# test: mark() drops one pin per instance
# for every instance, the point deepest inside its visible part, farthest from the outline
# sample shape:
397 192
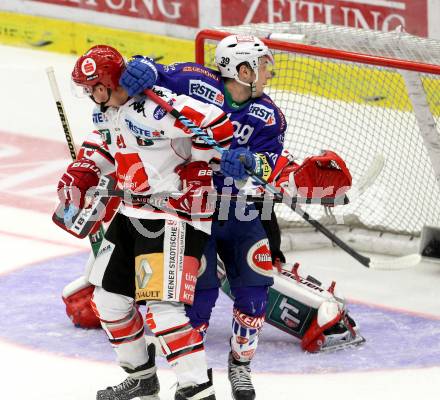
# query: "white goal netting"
360 93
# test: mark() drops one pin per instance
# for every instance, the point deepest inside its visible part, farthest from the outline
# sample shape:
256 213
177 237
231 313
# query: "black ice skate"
239 375
204 391
142 383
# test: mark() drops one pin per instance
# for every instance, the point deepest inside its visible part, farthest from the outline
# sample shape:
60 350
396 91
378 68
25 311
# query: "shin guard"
181 344
246 330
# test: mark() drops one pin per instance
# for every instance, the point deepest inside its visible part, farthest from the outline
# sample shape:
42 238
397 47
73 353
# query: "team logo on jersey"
99 118
259 258
262 167
281 138
105 136
120 142
261 112
206 91
171 67
144 142
138 106
201 70
159 113
143 132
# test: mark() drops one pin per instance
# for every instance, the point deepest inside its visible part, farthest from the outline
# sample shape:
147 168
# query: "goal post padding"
359 93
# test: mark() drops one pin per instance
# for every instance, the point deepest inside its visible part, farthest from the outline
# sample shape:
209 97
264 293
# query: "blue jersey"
259 125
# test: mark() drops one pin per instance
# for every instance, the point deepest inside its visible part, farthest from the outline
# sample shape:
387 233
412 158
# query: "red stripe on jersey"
192 115
218 120
223 132
131 173
90 146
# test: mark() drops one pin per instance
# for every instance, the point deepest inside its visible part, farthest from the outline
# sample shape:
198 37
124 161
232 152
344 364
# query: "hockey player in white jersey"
149 254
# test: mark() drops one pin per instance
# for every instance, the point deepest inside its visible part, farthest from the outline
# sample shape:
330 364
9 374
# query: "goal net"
362 94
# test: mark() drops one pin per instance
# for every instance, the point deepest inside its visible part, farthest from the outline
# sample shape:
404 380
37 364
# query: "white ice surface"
27 236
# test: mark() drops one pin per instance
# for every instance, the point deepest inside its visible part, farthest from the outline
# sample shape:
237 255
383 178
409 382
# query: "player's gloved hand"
140 74
80 176
197 185
235 162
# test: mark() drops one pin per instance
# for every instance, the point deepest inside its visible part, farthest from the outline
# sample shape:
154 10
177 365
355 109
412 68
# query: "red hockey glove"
323 176
197 184
80 176
77 296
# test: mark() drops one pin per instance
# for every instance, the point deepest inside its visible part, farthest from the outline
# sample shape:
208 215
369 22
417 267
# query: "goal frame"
384 242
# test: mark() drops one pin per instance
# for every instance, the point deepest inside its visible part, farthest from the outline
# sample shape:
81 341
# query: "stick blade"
82 222
372 173
397 263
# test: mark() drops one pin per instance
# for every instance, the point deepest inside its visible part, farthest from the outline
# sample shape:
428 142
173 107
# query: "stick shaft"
61 112
330 202
95 238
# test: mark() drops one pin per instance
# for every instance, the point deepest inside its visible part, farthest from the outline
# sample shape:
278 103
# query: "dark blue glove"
140 74
235 162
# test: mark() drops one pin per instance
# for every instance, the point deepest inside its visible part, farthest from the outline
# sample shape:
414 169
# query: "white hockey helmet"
236 49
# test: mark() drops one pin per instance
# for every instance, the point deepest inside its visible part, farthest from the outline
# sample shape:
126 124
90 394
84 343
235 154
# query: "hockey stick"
370 176
364 183
139 198
97 237
365 261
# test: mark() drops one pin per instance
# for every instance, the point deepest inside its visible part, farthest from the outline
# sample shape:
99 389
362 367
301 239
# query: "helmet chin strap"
102 104
252 85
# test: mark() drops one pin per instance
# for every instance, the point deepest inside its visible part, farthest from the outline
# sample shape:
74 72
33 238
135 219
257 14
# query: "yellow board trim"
68 37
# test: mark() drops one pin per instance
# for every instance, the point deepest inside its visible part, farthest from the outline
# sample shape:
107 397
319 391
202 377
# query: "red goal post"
360 93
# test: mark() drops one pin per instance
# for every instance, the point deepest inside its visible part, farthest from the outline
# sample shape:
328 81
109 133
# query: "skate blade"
152 397
357 341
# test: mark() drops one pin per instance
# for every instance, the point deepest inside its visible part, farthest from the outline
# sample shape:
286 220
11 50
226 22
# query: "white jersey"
144 144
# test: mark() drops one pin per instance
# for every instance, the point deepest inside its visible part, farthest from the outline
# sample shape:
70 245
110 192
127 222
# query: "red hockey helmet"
101 64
